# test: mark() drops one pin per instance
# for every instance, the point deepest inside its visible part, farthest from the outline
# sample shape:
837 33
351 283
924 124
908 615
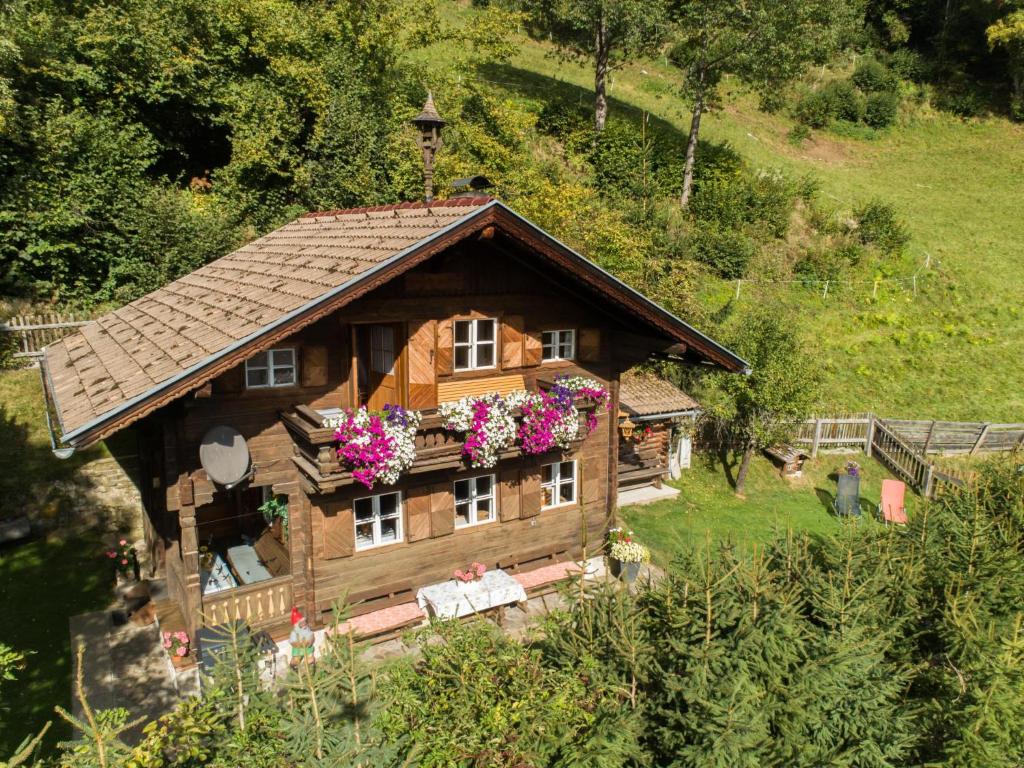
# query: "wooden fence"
34 332
904 445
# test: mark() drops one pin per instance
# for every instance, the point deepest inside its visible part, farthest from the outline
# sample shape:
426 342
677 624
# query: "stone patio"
126 666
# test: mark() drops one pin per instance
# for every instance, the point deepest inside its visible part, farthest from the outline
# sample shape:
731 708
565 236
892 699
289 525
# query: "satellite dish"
224 455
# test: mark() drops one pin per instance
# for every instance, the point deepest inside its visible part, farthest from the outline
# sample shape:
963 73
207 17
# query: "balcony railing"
436 447
260 604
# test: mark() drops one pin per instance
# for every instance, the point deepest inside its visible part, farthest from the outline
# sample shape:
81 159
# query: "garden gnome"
301 638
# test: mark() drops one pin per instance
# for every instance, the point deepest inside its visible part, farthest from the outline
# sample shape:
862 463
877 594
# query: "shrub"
816 109
561 118
907 64
829 263
726 251
847 101
798 134
959 98
878 225
872 76
8 346
881 109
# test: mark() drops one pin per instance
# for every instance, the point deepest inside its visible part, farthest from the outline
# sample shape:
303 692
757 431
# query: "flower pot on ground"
125 562
625 554
178 645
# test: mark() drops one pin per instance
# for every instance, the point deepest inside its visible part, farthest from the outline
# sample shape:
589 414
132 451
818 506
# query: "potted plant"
177 645
126 562
474 572
275 512
625 554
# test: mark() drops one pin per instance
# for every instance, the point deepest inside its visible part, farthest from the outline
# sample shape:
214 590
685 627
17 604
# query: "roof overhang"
493 213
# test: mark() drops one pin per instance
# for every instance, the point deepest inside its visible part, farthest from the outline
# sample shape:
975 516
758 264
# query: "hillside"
950 349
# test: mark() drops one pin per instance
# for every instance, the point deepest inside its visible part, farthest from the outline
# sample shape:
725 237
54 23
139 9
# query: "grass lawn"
708 507
45 581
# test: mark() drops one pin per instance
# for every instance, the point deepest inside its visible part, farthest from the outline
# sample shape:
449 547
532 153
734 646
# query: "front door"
379 359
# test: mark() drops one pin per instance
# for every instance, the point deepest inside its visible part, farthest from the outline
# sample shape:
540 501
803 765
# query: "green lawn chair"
847 501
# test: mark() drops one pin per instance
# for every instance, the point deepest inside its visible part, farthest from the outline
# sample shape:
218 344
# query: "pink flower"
167 642
183 637
182 651
111 554
124 561
122 542
480 569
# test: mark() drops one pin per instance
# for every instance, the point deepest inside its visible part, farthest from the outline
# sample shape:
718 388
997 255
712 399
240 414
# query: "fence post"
817 438
928 440
980 440
929 482
870 436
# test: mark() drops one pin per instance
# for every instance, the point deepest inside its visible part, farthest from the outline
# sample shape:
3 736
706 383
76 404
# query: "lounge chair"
891 507
847 501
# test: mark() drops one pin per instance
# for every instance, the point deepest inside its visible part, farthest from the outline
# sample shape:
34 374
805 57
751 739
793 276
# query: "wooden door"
380 364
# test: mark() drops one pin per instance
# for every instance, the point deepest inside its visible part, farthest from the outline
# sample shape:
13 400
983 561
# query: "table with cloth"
452 599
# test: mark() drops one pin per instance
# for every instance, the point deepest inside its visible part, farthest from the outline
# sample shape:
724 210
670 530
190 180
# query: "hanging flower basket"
377 446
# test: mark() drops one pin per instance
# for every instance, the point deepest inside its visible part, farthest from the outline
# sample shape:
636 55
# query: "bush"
829 263
960 99
878 225
908 64
847 101
561 118
798 134
816 109
726 251
872 76
881 109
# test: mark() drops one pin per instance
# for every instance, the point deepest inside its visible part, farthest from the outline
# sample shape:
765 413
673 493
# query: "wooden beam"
981 439
928 440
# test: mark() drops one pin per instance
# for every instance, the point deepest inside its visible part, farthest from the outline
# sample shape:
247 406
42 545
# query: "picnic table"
452 599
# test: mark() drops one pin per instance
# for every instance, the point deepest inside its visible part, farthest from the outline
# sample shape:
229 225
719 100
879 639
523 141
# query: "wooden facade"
388 335
293 455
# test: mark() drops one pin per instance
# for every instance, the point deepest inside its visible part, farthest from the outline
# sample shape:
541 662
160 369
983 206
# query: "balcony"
436 447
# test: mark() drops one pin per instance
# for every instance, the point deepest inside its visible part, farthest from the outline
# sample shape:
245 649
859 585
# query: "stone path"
124 666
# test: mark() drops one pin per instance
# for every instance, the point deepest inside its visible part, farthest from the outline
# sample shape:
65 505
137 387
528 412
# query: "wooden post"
929 482
870 436
928 440
817 438
981 439
300 550
193 608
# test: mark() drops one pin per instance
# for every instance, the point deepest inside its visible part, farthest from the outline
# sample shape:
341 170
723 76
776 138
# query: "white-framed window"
273 368
558 484
378 520
474 501
559 345
475 344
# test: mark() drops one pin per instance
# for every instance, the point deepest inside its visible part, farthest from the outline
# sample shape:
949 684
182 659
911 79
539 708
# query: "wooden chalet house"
413 304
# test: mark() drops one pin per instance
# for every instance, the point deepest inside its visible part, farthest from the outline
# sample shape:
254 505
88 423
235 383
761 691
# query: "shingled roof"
643 394
135 359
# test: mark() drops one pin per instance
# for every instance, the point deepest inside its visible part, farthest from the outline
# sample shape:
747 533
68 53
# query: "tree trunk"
741 476
600 76
691 149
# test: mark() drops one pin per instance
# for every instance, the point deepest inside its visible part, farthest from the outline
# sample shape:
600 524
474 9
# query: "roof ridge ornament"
429 124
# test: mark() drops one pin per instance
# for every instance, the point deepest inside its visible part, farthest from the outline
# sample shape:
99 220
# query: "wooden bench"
383 624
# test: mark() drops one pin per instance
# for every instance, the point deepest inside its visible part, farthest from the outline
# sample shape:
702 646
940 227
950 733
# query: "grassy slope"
708 508
953 350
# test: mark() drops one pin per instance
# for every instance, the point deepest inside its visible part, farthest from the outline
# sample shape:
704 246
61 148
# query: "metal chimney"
429 141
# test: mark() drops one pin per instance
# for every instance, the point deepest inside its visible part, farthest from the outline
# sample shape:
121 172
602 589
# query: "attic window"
475 342
273 368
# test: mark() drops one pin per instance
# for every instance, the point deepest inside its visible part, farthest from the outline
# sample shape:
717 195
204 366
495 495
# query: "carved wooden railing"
259 604
436 447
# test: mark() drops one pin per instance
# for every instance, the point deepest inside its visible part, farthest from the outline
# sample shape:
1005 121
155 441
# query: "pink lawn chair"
891 506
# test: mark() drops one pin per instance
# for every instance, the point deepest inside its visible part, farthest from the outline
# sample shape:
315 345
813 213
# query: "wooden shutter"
512 341
230 382
422 379
314 366
591 478
533 348
417 505
442 509
444 348
339 529
508 493
589 345
529 485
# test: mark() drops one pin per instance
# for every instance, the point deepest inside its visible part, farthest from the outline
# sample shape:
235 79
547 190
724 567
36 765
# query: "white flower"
629 552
